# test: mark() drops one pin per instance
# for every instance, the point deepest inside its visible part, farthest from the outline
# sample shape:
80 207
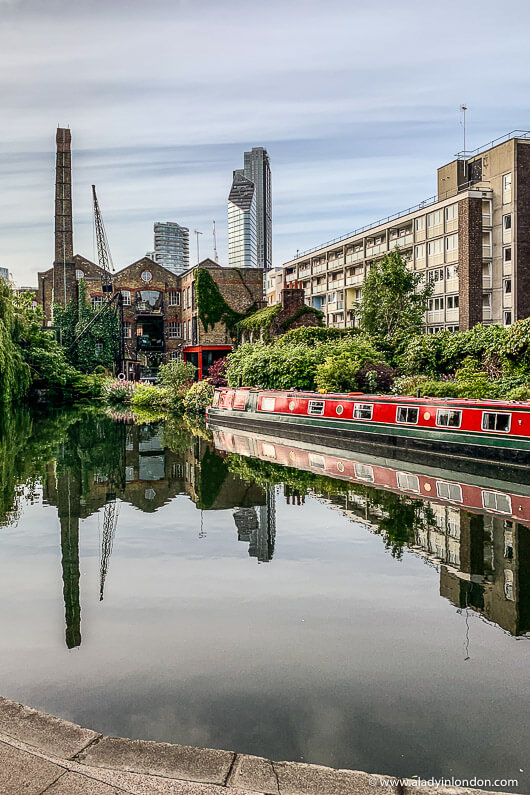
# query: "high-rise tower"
257 169
172 246
64 282
242 238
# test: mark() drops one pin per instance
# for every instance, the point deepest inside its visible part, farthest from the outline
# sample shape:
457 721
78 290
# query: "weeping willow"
15 377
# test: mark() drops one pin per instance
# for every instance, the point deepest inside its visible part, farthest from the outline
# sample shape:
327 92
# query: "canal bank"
40 753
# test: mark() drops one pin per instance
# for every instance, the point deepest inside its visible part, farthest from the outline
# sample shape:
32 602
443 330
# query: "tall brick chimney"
64 281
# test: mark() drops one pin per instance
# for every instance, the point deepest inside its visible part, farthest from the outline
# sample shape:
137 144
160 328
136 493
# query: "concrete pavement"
43 754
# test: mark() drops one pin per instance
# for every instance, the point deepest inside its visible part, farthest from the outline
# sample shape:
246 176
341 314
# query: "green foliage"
295 366
393 301
260 320
149 398
176 373
198 397
99 346
116 392
309 335
212 307
15 376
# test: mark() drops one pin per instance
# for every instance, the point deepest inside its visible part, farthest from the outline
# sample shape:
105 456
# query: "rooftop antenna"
463 109
215 256
197 233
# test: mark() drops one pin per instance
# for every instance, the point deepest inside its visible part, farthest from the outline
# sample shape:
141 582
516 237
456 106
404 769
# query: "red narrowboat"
481 430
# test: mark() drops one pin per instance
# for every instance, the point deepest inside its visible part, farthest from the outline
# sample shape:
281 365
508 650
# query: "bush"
150 398
198 397
337 374
117 392
176 373
217 372
376 377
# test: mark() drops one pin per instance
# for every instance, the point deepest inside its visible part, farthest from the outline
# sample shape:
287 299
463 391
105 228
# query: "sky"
356 102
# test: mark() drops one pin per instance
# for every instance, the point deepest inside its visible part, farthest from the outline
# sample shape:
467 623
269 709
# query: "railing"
400 214
486 252
465 154
358 279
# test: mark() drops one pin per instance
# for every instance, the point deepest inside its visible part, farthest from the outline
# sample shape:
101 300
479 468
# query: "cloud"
356 103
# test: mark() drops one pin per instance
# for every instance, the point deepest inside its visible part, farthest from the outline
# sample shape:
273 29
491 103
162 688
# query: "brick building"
160 312
472 240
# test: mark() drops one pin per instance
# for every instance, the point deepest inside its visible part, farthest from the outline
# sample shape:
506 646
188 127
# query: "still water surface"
154 588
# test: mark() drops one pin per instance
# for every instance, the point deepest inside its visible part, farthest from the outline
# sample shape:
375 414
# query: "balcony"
486 313
372 251
486 282
333 264
436 316
319 268
486 252
290 277
335 284
439 288
354 256
149 302
320 288
452 315
355 280
486 219
304 272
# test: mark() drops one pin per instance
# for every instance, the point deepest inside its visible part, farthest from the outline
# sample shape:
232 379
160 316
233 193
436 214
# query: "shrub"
217 372
198 397
337 374
176 373
376 377
150 398
117 392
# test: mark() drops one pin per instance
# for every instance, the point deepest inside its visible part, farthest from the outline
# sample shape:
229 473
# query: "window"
508 584
184 299
173 298
98 347
363 411
507 188
126 297
317 461
420 252
451 272
175 355
189 297
189 329
494 421
507 255
508 317
451 217
435 247
507 228
173 329
448 491
486 302
364 472
507 286
436 275
147 276
127 332
79 274
96 301
316 407
268 404
268 450
436 304
434 221
419 224
451 246
407 414
448 418
495 501
408 482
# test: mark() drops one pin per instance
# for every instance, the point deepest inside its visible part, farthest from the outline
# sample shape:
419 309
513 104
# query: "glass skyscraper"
257 169
242 234
172 246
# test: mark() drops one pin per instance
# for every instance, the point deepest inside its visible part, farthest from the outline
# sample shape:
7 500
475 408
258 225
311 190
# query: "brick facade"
522 231
470 262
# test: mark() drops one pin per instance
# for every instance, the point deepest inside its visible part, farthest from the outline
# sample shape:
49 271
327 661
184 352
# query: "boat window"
495 501
339 409
408 482
268 404
317 461
316 407
493 421
448 491
363 411
364 472
449 418
268 450
407 414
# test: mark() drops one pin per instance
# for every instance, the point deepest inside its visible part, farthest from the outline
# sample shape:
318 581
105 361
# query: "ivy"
262 319
212 307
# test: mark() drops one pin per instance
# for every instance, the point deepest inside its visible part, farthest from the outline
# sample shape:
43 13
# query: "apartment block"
471 240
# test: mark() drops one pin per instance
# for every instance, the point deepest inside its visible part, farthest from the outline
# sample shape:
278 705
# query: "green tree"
393 299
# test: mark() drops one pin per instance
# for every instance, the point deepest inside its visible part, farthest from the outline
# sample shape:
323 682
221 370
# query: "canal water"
156 587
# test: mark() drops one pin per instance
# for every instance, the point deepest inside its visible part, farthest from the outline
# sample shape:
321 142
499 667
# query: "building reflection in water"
103 463
483 555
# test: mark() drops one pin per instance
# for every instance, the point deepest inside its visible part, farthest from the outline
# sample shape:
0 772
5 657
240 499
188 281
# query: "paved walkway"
43 754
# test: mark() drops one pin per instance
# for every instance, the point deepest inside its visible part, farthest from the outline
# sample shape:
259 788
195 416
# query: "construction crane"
111 300
110 520
104 256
